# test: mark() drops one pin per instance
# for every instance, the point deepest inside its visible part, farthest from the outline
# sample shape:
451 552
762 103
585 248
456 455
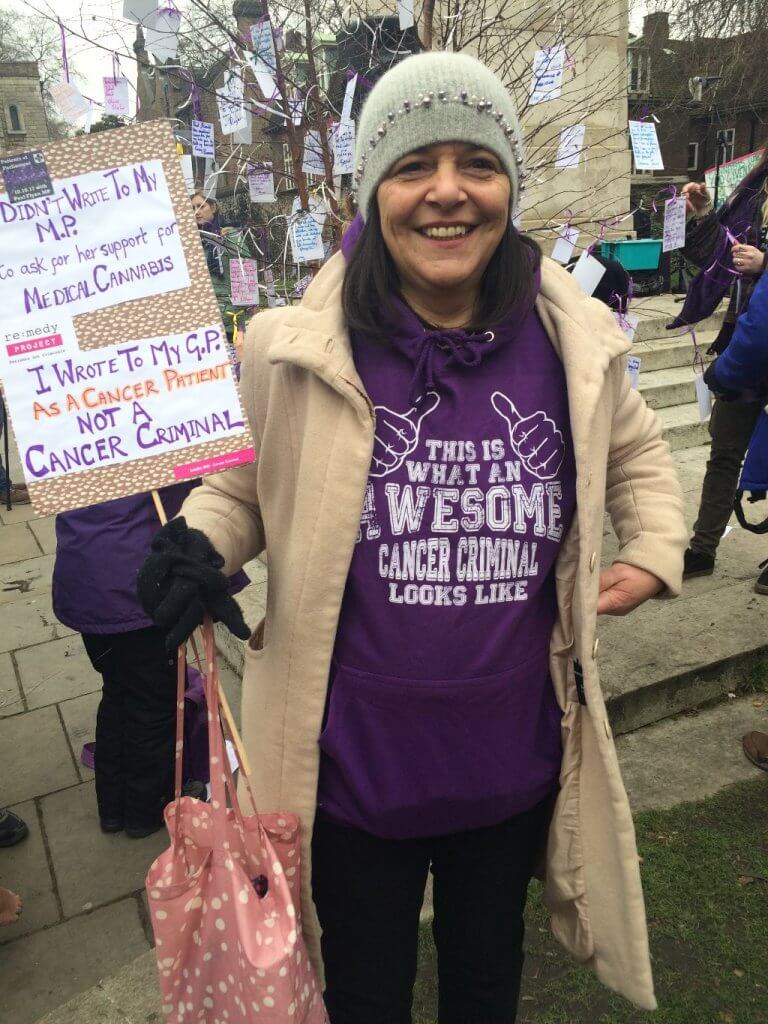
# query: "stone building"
697 89
506 34
23 122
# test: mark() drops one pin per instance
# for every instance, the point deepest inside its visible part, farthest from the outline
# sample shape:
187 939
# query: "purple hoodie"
441 714
99 551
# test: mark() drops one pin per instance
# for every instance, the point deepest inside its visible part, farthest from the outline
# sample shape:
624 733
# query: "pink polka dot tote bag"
224 900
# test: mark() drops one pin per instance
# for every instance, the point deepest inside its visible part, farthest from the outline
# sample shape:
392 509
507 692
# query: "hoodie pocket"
425 757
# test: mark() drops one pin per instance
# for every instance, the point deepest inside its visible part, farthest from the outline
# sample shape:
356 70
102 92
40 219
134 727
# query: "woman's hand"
697 198
747 259
624 588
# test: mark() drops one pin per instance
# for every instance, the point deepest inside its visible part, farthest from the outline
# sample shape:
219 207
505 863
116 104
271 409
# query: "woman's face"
443 211
202 210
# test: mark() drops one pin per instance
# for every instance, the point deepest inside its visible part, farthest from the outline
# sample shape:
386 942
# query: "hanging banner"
312 161
731 173
161 33
116 97
112 354
547 82
138 10
244 282
343 139
645 146
571 144
263 44
202 139
261 185
69 100
674 224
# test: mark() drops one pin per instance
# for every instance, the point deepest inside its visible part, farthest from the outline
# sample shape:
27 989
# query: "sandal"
755 746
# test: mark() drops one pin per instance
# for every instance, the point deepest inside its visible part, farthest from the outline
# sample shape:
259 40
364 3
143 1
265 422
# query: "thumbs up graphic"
397 434
535 439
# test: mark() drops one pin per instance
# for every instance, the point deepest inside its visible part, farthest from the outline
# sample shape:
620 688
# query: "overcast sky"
105 30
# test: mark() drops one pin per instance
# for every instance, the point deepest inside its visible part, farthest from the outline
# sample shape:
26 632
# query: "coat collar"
582 330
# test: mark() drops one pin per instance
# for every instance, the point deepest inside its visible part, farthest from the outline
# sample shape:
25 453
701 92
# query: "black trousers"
135 724
368 893
730 427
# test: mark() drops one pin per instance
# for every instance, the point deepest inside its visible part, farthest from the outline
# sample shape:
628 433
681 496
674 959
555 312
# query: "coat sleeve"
226 505
702 236
744 364
643 494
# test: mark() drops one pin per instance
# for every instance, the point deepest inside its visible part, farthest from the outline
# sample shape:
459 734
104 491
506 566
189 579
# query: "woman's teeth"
457 231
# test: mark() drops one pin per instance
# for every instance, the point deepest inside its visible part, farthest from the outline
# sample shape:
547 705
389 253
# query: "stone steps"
666 370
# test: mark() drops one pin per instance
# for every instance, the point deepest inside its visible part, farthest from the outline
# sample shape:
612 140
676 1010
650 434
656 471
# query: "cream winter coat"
302 499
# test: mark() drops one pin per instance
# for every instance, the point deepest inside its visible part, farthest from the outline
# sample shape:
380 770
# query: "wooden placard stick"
223 702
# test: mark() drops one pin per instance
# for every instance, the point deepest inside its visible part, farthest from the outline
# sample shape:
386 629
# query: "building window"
639 70
14 119
693 156
288 165
727 137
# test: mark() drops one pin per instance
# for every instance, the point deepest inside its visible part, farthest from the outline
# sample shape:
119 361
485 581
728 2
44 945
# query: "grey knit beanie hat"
431 98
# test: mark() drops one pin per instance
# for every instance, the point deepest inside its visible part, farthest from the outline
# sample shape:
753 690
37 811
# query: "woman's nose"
445 186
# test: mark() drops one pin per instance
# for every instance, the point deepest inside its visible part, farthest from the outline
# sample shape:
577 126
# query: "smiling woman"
423 691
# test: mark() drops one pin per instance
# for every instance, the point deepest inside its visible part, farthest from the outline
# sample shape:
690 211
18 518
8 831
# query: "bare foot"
10 906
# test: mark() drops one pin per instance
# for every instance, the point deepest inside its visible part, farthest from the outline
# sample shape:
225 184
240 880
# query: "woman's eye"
482 163
412 167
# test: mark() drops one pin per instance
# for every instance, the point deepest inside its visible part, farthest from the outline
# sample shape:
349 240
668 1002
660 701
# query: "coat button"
592 560
595 646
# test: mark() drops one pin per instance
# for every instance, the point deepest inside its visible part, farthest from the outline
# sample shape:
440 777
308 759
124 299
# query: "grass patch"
705 875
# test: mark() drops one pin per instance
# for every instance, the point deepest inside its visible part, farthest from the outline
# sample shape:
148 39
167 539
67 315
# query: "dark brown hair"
371 281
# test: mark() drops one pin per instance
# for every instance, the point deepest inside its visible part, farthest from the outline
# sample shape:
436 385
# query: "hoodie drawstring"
461 347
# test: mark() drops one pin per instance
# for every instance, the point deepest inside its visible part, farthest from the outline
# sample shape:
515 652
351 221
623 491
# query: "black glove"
714 385
182 581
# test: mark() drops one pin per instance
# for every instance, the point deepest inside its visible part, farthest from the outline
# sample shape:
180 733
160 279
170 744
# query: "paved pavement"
84 909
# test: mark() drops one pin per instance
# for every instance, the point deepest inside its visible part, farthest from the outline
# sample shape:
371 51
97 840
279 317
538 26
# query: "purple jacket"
99 551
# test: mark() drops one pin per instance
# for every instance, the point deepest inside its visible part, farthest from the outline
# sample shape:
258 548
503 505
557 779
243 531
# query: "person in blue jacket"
741 373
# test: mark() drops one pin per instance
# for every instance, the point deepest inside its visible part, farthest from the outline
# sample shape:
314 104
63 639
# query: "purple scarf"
737 217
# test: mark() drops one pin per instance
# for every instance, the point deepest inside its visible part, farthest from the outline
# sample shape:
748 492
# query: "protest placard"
261 184
731 173
202 139
571 144
116 97
645 146
112 354
244 282
674 224
547 82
